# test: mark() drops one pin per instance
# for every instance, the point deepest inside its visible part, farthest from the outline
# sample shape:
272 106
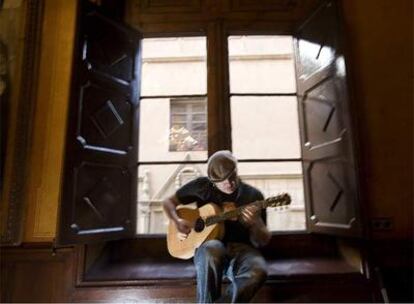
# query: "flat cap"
221 165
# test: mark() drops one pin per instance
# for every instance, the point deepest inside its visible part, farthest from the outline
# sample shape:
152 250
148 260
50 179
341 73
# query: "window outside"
174 128
188 125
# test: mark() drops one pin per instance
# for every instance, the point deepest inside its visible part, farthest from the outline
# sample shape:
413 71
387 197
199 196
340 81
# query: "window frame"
218 30
217 25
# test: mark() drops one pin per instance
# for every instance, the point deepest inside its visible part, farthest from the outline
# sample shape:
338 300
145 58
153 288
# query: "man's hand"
259 234
250 215
183 227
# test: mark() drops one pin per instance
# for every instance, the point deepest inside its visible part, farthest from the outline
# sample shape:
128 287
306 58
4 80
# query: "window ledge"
289 256
278 269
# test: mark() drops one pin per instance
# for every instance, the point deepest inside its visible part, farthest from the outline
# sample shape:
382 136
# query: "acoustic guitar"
208 223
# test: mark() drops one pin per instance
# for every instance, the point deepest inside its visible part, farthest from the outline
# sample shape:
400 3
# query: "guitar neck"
211 220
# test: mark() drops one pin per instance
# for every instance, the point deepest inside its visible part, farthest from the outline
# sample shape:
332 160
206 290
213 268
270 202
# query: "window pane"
156 183
273 178
199 118
174 66
188 131
261 64
166 136
265 127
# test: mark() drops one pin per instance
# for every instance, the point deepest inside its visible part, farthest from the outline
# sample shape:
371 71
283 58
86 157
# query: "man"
234 255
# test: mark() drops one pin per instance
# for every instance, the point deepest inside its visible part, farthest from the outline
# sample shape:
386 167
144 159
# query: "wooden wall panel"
37 275
168 6
275 5
50 120
380 35
34 273
12 24
144 14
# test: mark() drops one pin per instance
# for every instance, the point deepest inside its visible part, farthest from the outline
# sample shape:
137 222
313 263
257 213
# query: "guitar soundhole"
199 225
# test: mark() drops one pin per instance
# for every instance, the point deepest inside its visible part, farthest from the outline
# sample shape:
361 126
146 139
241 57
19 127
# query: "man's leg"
209 261
247 273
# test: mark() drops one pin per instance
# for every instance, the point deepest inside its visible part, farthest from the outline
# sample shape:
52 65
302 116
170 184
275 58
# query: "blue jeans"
242 264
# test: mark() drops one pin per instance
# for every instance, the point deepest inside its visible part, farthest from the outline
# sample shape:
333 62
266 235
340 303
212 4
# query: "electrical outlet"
381 223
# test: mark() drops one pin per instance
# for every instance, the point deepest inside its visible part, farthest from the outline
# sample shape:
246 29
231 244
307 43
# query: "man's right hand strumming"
183 226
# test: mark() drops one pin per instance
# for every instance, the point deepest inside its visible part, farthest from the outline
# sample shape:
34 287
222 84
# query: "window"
263 128
188 125
173 123
265 122
283 111
173 114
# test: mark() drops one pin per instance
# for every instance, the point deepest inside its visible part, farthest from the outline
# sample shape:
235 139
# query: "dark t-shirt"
202 191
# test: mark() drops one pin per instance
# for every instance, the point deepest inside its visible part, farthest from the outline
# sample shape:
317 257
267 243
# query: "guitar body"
185 249
215 217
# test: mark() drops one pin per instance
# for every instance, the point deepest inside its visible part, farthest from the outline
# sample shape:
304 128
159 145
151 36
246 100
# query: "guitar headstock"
279 200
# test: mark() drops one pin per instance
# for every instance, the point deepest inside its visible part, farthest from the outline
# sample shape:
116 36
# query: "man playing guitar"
234 256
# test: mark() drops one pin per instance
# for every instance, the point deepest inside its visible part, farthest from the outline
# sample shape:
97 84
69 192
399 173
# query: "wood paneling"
153 294
37 274
34 273
168 6
275 5
19 37
99 191
380 35
50 119
148 14
12 22
326 131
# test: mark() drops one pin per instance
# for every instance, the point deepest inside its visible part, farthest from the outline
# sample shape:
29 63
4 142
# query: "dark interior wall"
380 37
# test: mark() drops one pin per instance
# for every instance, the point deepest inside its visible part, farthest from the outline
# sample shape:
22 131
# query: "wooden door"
100 176
326 135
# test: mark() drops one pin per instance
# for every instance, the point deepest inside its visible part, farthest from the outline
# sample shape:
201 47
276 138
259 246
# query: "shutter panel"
100 176
326 137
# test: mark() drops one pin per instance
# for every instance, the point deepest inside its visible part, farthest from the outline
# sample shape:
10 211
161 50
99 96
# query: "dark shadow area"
290 256
399 283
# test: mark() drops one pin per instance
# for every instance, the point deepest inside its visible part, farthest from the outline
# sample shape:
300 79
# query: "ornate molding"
165 6
13 232
276 5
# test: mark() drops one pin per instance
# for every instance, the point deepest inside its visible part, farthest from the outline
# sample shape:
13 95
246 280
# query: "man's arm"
259 234
170 207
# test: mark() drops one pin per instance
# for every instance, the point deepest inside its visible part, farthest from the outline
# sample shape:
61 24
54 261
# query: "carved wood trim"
157 14
249 5
168 6
13 231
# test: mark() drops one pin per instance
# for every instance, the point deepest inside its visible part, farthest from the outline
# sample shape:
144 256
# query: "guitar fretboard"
211 220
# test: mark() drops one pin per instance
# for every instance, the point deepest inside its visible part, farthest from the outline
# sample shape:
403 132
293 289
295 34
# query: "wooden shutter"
100 176
326 137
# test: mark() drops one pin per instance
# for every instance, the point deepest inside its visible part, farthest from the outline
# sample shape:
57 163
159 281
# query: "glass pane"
197 108
261 64
273 178
156 183
199 117
174 66
265 127
163 137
